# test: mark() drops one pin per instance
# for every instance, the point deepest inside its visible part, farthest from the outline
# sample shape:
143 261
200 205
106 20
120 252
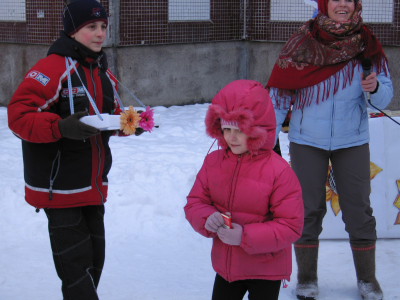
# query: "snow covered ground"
152 252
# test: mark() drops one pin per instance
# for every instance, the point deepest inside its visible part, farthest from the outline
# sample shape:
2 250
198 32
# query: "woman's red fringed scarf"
319 52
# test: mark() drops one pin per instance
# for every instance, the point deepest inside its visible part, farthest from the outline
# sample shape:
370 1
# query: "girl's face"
92 35
340 10
236 140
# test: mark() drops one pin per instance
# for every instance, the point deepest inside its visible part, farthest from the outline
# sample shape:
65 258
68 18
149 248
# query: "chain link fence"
143 22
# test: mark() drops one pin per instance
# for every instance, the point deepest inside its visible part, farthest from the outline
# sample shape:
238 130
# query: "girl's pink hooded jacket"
258 188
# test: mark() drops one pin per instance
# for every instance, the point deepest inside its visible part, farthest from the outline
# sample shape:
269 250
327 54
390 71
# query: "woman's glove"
232 236
72 128
214 222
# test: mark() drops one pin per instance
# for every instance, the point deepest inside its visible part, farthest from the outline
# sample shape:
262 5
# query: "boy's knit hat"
78 13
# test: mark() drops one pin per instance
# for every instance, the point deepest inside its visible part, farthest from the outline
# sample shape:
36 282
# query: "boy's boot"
364 261
307 261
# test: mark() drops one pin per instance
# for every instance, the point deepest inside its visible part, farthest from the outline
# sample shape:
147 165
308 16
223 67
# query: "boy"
66 162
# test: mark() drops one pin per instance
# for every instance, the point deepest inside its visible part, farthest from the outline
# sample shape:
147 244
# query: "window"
12 10
188 10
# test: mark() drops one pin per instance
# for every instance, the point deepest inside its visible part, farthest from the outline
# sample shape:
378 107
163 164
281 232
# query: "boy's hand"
214 222
232 236
72 128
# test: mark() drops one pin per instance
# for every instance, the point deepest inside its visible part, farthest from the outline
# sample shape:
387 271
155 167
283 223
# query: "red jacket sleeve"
28 111
287 209
199 205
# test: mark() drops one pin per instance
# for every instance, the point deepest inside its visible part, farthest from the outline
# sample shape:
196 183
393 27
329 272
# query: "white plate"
111 122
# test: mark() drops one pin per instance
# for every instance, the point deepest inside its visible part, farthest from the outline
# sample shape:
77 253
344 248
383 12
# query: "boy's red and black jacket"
60 172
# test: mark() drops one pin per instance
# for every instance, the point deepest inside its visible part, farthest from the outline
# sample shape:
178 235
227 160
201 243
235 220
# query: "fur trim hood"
248 103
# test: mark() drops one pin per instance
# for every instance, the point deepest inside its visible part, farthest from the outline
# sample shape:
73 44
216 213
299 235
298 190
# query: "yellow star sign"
331 193
397 203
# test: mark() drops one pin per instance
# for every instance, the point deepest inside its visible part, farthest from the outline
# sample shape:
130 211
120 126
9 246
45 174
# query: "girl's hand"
232 236
369 84
214 222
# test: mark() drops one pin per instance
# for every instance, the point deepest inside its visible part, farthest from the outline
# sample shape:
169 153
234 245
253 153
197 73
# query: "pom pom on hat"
78 13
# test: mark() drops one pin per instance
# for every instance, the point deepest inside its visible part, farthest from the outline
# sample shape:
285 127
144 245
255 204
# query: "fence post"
244 37
112 39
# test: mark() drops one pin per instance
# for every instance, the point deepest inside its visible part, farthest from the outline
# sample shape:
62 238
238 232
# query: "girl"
256 186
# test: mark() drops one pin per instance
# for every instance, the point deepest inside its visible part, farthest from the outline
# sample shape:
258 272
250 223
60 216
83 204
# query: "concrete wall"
174 74
15 61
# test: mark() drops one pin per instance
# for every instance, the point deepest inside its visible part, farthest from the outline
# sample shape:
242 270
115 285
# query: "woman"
320 70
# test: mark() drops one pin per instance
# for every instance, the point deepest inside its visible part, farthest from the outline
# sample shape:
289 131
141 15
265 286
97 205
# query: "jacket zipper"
301 120
332 118
361 113
99 64
95 138
98 171
58 156
229 251
233 177
94 85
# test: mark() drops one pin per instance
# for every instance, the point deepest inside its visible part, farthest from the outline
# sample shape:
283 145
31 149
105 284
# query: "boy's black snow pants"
78 245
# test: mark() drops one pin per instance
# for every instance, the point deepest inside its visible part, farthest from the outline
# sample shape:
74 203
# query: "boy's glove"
231 236
72 128
214 222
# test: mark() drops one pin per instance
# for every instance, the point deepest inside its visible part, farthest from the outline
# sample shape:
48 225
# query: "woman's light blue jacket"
341 120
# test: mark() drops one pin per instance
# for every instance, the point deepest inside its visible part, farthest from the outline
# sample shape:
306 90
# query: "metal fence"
143 22
178 21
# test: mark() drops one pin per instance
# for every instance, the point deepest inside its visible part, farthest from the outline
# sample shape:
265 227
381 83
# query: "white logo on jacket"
78 91
43 79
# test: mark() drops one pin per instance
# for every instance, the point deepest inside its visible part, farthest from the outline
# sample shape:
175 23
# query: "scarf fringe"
305 97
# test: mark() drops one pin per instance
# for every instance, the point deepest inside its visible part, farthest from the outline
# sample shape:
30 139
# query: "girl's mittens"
214 222
232 236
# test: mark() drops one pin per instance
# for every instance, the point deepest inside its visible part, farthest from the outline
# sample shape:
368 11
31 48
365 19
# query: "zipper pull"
51 190
99 64
88 115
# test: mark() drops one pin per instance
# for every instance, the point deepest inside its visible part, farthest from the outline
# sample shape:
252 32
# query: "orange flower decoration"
129 121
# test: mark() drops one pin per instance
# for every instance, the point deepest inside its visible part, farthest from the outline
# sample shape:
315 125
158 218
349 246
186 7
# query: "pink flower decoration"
147 122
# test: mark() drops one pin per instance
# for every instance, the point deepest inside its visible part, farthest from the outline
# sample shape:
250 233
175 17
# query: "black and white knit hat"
78 13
